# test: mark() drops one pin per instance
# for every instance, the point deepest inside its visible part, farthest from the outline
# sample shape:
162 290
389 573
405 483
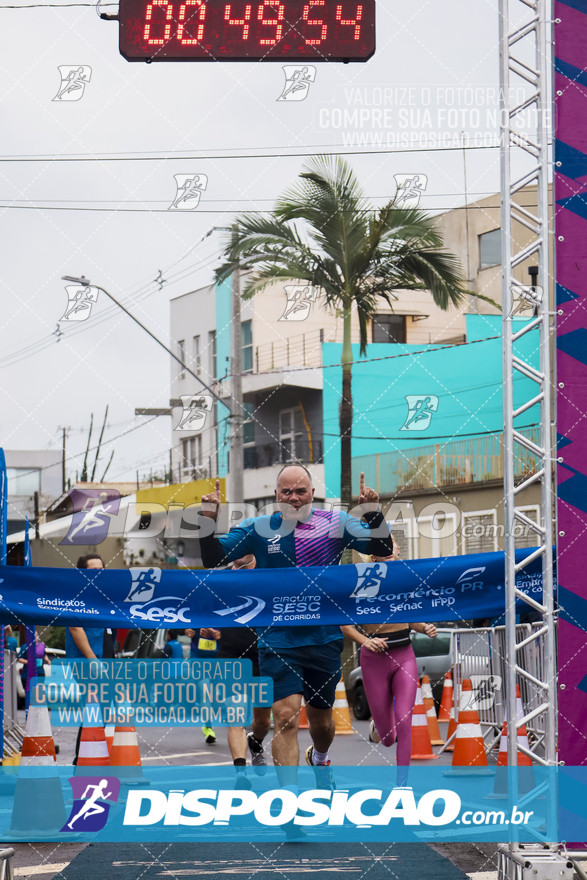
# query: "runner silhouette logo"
92 511
144 581
421 408
90 805
369 577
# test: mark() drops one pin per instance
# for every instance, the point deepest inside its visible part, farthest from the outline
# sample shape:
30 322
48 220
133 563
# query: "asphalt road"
375 861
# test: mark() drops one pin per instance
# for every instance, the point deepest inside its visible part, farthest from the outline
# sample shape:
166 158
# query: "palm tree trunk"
346 413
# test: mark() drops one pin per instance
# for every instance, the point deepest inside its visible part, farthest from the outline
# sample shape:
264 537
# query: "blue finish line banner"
444 588
366 804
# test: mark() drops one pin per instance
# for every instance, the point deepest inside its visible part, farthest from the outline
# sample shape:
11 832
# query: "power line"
188 158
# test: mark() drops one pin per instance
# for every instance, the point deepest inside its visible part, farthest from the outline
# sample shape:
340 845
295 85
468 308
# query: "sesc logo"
369 577
244 618
142 591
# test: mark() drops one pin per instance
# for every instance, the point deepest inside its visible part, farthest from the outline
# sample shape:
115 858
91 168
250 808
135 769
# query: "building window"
479 532
524 535
181 347
23 481
212 353
197 355
248 424
192 455
436 535
247 344
291 435
490 249
389 328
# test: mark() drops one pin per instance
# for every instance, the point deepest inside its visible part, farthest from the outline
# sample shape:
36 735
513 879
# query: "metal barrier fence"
13 733
6 867
480 655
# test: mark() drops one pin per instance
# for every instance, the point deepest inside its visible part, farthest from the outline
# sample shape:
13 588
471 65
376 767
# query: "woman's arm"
375 644
427 628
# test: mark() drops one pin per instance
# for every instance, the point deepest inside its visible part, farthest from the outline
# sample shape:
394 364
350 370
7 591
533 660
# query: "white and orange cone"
525 774
340 710
126 757
38 812
446 708
93 748
303 725
433 728
469 745
421 745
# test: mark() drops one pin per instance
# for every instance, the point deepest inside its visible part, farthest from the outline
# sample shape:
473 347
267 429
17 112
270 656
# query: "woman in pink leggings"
390 678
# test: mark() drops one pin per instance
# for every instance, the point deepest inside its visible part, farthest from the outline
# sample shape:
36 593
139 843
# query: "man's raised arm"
370 534
219 551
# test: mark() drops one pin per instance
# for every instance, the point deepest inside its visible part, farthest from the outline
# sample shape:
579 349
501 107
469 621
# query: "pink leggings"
391 682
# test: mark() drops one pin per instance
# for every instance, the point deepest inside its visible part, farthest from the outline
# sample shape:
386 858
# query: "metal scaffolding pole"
524 62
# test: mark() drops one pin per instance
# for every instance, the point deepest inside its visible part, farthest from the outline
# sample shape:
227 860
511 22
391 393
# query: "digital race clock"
213 30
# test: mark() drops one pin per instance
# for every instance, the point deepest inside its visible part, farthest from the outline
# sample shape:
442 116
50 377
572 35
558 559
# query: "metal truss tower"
524 93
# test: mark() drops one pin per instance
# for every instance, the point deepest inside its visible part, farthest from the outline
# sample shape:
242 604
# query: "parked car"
433 657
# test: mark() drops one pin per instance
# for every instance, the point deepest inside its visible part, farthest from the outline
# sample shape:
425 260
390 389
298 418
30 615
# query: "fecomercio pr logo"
369 577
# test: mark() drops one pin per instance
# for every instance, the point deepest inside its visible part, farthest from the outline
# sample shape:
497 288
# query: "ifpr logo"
92 511
90 807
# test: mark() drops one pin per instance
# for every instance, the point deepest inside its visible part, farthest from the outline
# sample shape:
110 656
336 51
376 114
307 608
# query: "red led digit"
168 17
239 21
201 16
271 21
351 21
315 42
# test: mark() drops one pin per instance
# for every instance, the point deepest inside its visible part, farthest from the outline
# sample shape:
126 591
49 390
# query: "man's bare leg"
285 748
322 727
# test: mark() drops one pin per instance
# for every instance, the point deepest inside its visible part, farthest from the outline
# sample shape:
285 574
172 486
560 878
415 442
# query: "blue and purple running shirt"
320 540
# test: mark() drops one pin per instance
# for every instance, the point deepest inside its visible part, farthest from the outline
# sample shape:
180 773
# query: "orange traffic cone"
526 781
125 753
93 748
340 710
38 746
109 727
303 725
433 728
446 708
421 746
38 811
469 746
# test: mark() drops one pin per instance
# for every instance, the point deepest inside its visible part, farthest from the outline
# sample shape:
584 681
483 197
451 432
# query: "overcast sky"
198 109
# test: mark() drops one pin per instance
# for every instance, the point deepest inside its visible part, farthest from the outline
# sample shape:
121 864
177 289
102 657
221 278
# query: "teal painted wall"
222 365
466 380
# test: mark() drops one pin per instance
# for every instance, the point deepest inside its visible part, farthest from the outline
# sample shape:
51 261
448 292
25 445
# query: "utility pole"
63 478
237 490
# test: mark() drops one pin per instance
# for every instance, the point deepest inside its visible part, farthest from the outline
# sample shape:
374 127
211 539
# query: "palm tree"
353 253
